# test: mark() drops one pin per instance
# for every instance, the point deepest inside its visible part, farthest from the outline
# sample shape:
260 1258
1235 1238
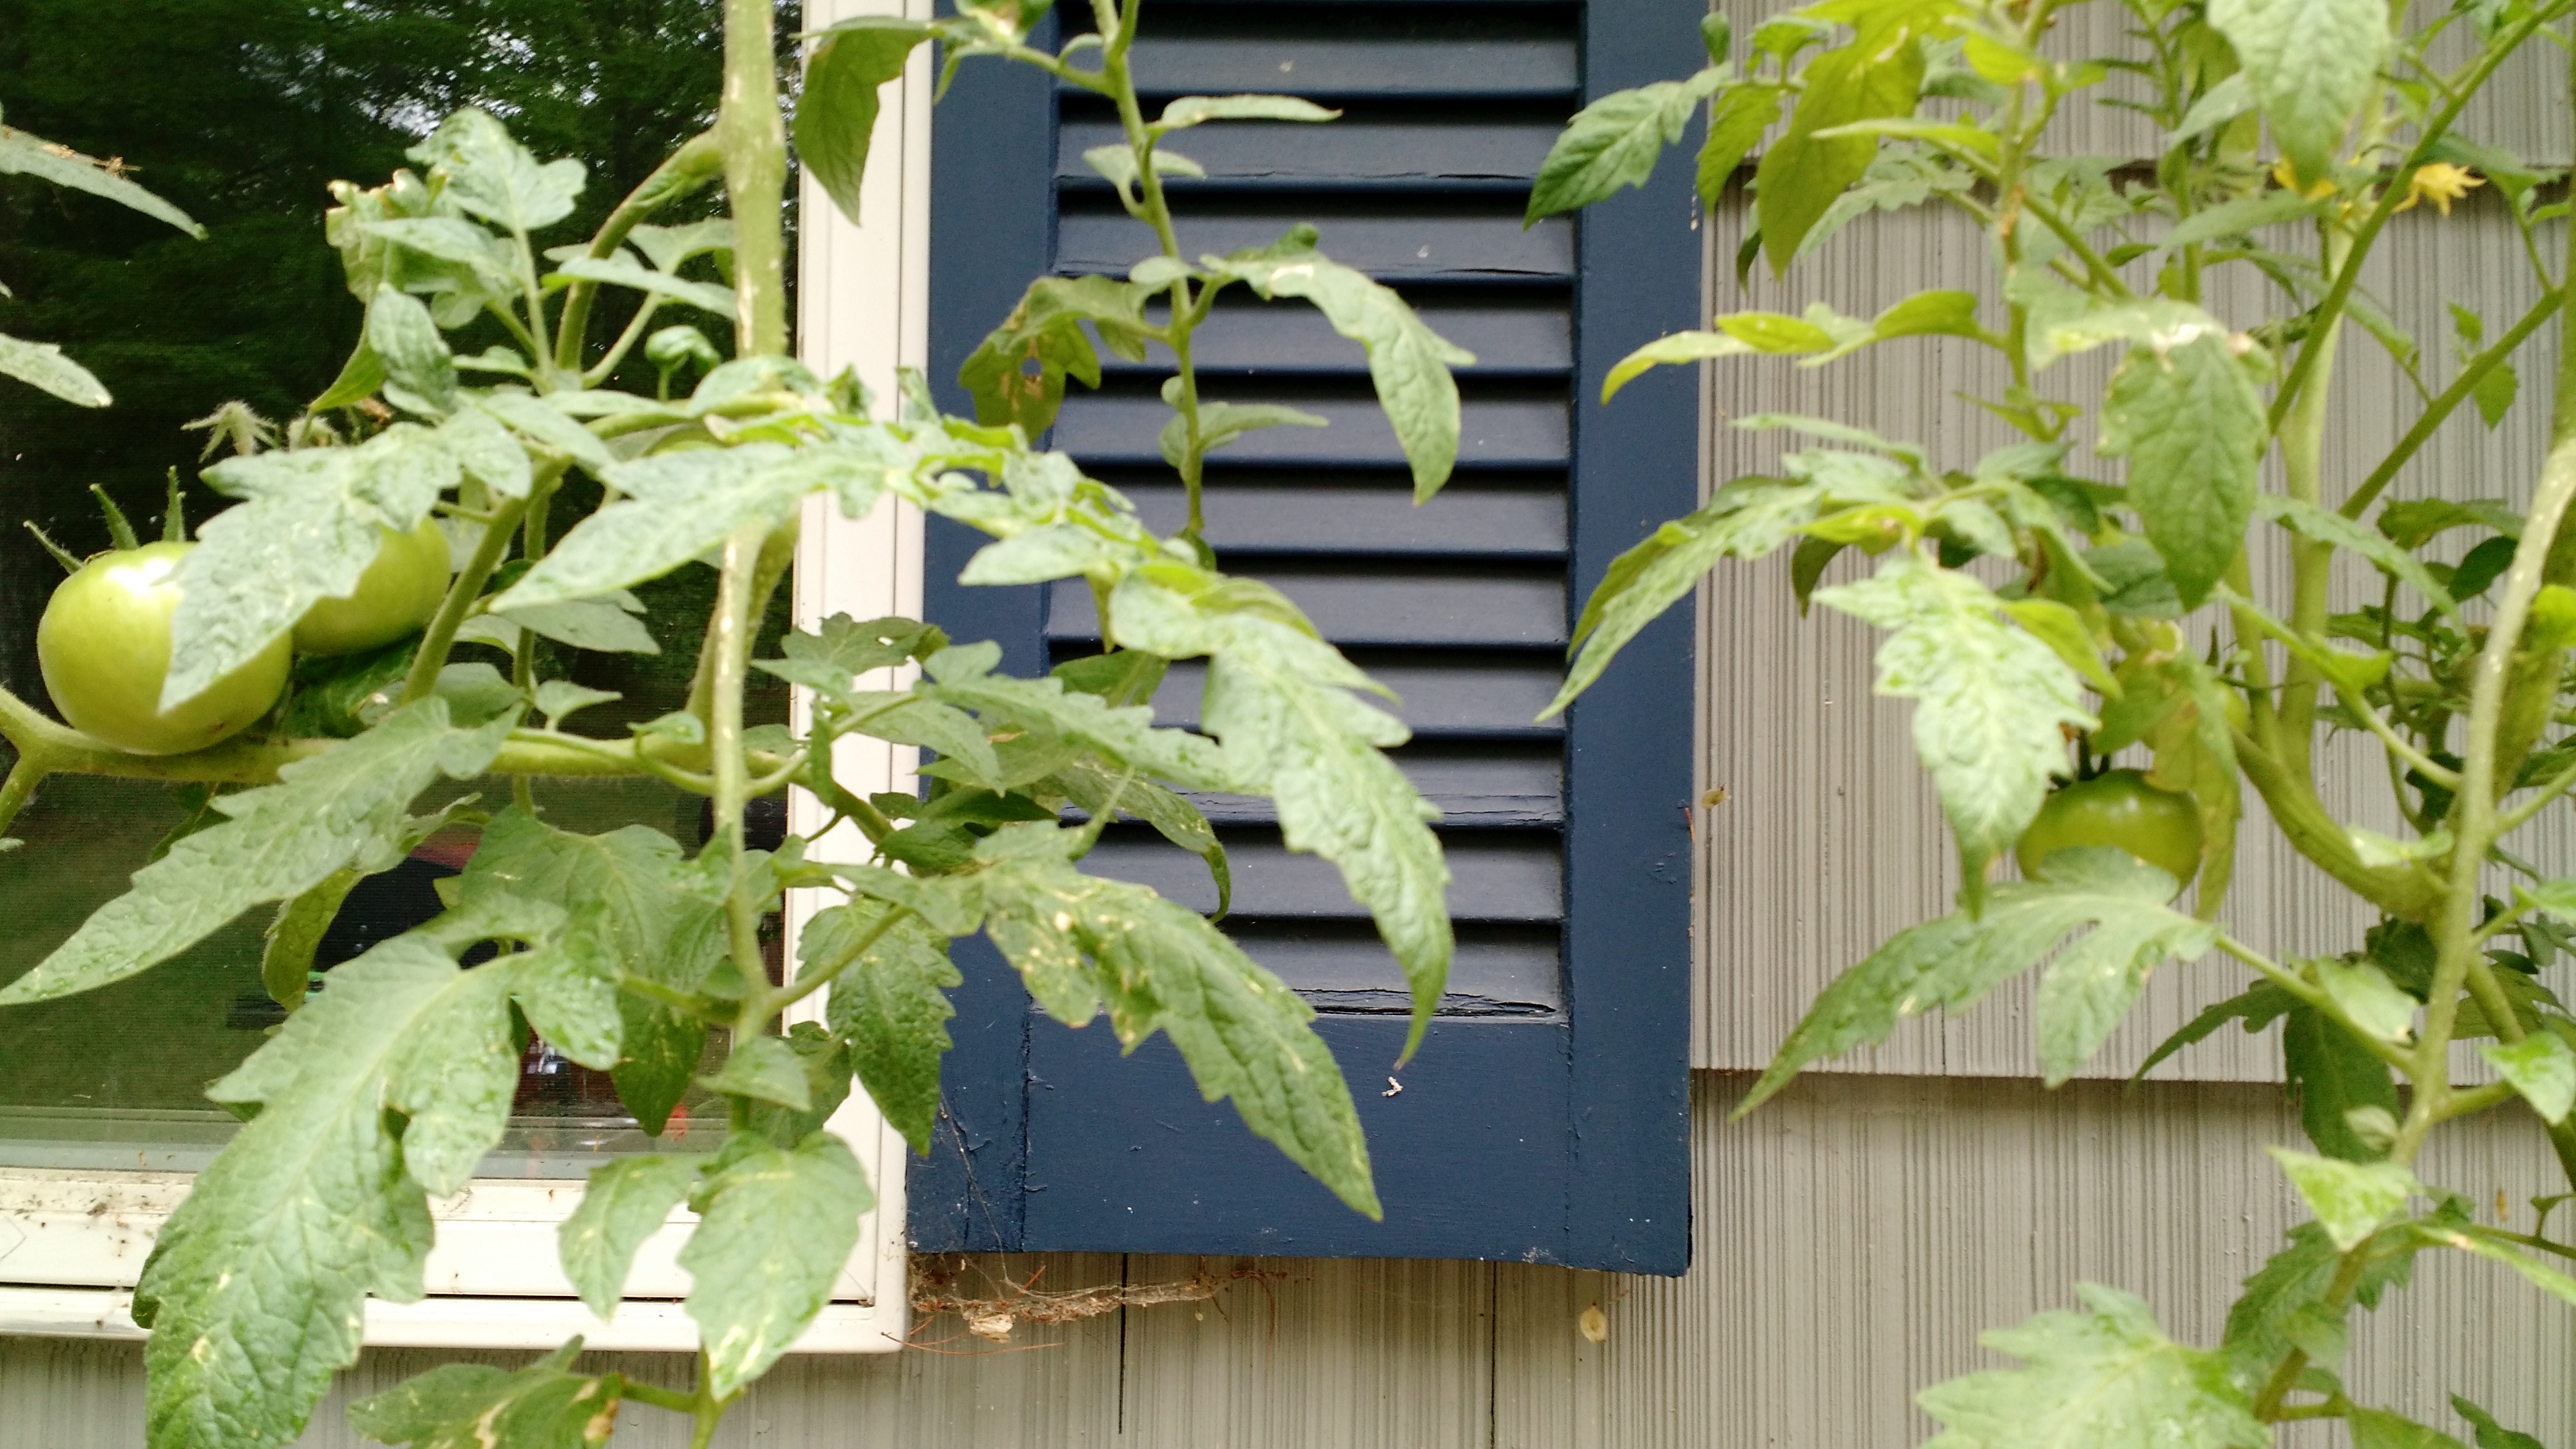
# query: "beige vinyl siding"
1853 1237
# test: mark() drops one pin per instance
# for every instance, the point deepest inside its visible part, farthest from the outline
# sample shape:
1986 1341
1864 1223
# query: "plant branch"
697 162
2443 406
461 594
25 774
730 636
809 982
2315 996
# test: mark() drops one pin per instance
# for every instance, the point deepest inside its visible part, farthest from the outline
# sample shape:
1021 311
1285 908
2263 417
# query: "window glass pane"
242 112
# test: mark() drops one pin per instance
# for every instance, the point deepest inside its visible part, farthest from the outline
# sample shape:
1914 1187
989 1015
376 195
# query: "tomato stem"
20 787
440 637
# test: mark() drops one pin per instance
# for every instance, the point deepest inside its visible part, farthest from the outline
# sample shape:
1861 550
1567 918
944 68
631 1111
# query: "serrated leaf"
2382 1429
1612 143
765 1069
2234 218
1953 962
842 649
473 1406
24 155
2368 997
256 1287
1221 423
312 521
2217 106
1743 112
2492 1435
42 365
775 1230
836 113
420 373
1045 329
2542 1068
2192 427
2333 528
1990 700
2063 631
607 626
339 809
891 1005
2494 393
1408 362
286 954
2480 1242
2311 63
678 506
1160 966
1747 518
559 699
2350 1199
626 1201
1123 733
2292 1283
633 907
1682 347
2333 1075
545 421
1281 701
1878 75
1090 785
495 177
2108 1379
626 272
1196 110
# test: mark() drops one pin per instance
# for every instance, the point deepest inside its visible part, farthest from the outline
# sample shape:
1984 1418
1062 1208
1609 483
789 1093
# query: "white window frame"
72 1241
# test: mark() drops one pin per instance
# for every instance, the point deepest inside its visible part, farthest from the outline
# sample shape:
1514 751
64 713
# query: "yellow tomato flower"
2441 183
2288 175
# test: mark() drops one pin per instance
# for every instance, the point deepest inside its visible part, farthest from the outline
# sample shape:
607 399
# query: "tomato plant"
2121 810
2044 608
623 952
396 595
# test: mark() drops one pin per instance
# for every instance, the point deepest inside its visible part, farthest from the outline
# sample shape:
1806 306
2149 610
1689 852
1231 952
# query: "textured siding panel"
1830 840
1854 1236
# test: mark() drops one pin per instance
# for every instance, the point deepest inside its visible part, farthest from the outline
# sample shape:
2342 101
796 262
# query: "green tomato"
104 646
395 596
2117 808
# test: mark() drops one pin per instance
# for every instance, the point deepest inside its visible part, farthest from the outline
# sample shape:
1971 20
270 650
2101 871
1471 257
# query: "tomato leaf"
1991 700
678 506
1046 329
2333 1074
24 155
43 365
963 677
1746 518
775 1230
1283 703
2350 1199
311 522
891 1006
1743 112
1953 962
340 809
836 113
471 1406
2382 1429
2492 1435
256 1285
1879 74
634 907
2328 527
2311 63
626 1201
1613 142
1195 110
1408 362
1078 939
2192 426
2108 1378
494 177
2542 1068
2292 1285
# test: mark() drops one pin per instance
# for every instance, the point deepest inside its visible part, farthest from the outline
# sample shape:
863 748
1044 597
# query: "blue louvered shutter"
1545 1118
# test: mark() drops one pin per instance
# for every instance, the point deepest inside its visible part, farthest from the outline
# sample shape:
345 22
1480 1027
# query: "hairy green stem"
660 1398
25 774
730 634
2285 1376
2312 995
461 595
809 982
2303 443
754 140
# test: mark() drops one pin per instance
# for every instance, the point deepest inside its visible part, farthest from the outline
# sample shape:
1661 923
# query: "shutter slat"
1113 429
1346 154
1298 518
1487 787
1497 971
1456 695
1529 337
1432 246
1328 69
1355 606
1512 877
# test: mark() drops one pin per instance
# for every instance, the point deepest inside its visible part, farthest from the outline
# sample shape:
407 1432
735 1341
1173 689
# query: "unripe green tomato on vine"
395 596
2117 808
104 647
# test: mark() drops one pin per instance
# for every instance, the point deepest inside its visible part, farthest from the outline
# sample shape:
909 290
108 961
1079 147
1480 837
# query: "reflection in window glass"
241 112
